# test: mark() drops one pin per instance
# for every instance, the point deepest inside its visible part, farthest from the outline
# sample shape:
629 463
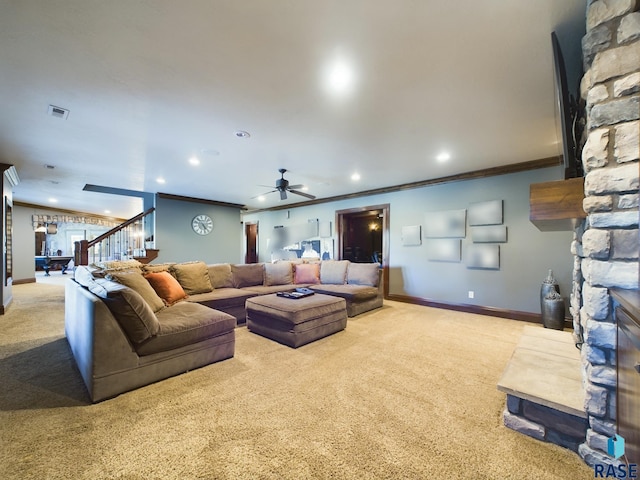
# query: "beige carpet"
405 392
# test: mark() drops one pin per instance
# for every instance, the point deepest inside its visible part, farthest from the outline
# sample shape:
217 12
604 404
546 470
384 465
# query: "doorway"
251 235
363 236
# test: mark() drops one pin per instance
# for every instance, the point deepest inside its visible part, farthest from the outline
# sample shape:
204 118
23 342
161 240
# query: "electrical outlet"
471 294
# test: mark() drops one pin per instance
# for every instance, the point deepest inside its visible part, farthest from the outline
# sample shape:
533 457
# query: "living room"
497 292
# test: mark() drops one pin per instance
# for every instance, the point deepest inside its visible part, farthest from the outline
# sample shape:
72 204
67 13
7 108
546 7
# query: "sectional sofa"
129 325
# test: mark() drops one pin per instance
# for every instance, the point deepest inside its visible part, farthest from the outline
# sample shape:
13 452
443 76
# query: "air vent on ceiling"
58 112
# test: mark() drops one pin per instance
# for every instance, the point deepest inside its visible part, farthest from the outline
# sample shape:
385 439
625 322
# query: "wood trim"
557 205
24 280
477 309
181 198
475 174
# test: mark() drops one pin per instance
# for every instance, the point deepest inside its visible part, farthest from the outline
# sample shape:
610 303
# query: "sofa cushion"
187 323
278 273
166 286
224 298
84 276
333 272
156 267
193 276
247 275
363 274
130 310
307 273
220 275
108 266
352 293
137 282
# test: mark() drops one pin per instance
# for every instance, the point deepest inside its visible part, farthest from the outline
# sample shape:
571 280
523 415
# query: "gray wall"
177 241
24 243
524 259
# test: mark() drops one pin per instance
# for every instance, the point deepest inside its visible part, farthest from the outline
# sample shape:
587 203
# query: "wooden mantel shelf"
556 206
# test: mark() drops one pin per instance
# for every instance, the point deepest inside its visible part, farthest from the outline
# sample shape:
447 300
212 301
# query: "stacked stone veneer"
544 423
606 245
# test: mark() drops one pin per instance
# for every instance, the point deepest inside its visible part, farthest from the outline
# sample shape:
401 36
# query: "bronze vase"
551 303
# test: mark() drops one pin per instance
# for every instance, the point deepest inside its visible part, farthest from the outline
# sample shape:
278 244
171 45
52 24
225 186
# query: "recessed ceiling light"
242 134
304 188
194 161
53 200
161 180
443 156
261 198
355 177
107 211
339 77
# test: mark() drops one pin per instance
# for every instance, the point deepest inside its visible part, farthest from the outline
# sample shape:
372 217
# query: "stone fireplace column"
606 245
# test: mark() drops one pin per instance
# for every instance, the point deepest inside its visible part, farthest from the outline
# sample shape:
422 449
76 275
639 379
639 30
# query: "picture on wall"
411 235
446 224
483 256
326 252
489 234
444 249
486 213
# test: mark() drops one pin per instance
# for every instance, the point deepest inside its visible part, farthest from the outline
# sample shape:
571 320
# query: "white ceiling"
150 84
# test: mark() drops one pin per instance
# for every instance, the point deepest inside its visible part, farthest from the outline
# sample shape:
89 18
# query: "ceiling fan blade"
311 197
283 194
295 187
263 194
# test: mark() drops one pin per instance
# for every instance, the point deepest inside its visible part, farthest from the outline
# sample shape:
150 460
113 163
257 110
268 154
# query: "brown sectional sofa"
129 325
359 284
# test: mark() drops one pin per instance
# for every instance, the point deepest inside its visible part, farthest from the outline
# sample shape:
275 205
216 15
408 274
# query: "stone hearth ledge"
546 369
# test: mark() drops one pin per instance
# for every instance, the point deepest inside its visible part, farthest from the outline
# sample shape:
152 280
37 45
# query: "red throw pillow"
307 273
166 286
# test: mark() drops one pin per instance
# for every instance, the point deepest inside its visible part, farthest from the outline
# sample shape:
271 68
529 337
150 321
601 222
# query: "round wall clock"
202 224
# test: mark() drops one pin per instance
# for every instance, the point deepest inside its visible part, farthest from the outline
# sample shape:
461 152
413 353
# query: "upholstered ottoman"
295 322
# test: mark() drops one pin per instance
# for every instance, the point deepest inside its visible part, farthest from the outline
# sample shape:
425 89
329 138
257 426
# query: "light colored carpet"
404 392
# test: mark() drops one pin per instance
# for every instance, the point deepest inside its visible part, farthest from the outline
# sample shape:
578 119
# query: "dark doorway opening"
251 234
363 236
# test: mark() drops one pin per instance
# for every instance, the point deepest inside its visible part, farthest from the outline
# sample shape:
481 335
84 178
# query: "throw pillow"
116 265
193 276
166 286
156 267
334 272
363 274
307 273
247 275
131 311
83 275
137 282
278 273
220 275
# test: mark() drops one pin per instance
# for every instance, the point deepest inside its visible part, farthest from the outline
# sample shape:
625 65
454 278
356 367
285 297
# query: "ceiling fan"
282 186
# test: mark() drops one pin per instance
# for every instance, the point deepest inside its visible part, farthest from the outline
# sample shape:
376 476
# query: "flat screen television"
568 112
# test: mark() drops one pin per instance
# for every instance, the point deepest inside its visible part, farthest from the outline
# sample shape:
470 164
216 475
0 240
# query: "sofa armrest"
98 343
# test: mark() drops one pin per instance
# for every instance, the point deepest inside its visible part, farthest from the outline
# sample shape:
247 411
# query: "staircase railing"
125 241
